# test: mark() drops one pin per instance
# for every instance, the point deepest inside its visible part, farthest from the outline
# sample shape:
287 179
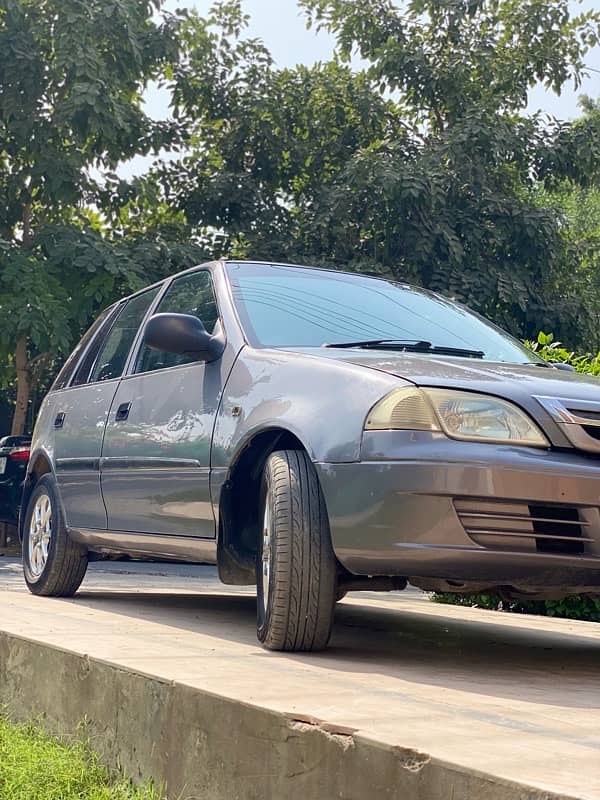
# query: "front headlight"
460 415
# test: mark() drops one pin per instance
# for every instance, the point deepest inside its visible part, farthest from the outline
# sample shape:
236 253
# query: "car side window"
190 294
112 357
94 334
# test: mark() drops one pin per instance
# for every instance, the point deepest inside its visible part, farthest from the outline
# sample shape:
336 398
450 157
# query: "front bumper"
419 504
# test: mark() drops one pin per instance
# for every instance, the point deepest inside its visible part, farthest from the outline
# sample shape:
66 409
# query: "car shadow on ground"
476 654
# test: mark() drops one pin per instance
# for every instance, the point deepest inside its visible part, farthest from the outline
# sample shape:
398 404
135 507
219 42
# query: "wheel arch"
40 464
239 503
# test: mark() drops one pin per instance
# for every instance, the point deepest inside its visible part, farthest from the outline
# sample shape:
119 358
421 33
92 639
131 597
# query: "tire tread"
304 570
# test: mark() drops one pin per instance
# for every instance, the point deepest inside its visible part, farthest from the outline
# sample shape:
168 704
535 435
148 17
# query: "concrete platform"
412 701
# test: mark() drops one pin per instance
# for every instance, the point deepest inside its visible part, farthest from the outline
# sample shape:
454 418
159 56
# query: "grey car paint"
321 402
407 492
519 383
156 464
76 448
393 498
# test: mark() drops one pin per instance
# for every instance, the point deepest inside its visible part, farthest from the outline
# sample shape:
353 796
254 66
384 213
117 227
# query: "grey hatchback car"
314 432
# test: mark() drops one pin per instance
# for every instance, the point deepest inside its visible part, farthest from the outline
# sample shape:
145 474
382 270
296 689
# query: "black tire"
66 561
302 571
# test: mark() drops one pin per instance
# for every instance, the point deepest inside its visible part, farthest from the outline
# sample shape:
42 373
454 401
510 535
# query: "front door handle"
122 412
59 420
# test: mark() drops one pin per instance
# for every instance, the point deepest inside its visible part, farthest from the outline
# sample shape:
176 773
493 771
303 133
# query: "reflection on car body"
314 432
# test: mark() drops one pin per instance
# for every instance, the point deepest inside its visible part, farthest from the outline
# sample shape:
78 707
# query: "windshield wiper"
551 365
410 346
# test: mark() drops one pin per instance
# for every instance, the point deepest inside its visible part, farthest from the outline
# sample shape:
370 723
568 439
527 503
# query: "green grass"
36 766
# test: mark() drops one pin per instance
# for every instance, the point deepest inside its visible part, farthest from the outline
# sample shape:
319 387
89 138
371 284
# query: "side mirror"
182 334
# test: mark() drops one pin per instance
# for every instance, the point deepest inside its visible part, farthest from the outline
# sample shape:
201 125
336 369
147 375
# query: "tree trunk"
21 357
23 388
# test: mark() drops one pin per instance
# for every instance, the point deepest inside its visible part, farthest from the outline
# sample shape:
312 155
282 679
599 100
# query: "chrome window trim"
558 408
123 305
111 314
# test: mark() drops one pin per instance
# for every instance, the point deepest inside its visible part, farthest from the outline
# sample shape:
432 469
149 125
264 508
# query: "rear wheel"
53 565
296 566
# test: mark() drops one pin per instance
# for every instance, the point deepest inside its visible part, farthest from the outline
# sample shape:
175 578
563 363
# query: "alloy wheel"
40 534
266 553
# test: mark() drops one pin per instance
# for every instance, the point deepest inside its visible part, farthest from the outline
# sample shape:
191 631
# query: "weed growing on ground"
36 766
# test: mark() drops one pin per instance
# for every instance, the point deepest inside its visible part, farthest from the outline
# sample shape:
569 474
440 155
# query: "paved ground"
514 696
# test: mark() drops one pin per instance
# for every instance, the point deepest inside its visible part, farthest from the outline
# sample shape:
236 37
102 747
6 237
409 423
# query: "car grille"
579 420
522 527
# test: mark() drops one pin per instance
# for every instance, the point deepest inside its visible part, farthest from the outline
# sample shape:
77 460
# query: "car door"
156 454
81 409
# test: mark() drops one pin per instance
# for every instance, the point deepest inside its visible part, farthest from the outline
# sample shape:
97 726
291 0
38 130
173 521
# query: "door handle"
59 420
122 412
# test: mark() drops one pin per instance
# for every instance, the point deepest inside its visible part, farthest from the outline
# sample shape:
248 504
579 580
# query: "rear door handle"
59 420
122 412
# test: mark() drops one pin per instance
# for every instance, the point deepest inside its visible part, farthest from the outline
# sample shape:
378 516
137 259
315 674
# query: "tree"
423 167
263 141
460 212
71 80
575 197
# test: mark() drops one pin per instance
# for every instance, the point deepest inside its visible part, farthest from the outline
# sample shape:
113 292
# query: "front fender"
322 402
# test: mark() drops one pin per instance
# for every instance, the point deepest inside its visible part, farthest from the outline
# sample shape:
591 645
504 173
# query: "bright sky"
281 26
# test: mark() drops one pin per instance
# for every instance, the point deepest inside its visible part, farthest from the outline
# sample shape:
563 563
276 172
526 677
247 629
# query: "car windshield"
284 306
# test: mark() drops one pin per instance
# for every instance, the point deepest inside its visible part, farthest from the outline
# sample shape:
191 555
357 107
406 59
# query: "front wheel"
53 565
296 566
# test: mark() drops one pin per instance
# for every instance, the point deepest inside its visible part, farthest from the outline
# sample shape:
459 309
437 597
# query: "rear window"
64 376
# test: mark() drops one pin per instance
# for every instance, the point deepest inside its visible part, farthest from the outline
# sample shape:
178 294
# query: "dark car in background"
313 432
14 455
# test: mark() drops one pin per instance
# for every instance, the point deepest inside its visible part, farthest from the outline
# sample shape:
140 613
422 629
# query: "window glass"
103 321
112 358
190 294
283 306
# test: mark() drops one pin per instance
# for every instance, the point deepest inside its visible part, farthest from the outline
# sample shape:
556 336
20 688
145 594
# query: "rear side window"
190 294
112 356
103 321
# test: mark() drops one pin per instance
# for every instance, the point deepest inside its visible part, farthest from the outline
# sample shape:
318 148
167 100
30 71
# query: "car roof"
224 261
311 267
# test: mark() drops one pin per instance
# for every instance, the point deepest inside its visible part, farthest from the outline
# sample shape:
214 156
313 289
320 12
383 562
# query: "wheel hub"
266 554
40 533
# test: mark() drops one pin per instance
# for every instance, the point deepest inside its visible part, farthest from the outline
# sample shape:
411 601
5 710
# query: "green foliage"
264 142
587 608
36 766
71 81
579 211
448 58
553 351
437 182
491 602
422 167
577 606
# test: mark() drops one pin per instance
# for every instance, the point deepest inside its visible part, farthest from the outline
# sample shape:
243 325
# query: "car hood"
493 377
519 383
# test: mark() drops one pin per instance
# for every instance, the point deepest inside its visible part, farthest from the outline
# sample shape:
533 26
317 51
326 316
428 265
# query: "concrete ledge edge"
204 746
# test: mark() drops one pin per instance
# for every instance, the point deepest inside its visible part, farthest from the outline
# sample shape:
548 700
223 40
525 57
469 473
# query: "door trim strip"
77 464
126 462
